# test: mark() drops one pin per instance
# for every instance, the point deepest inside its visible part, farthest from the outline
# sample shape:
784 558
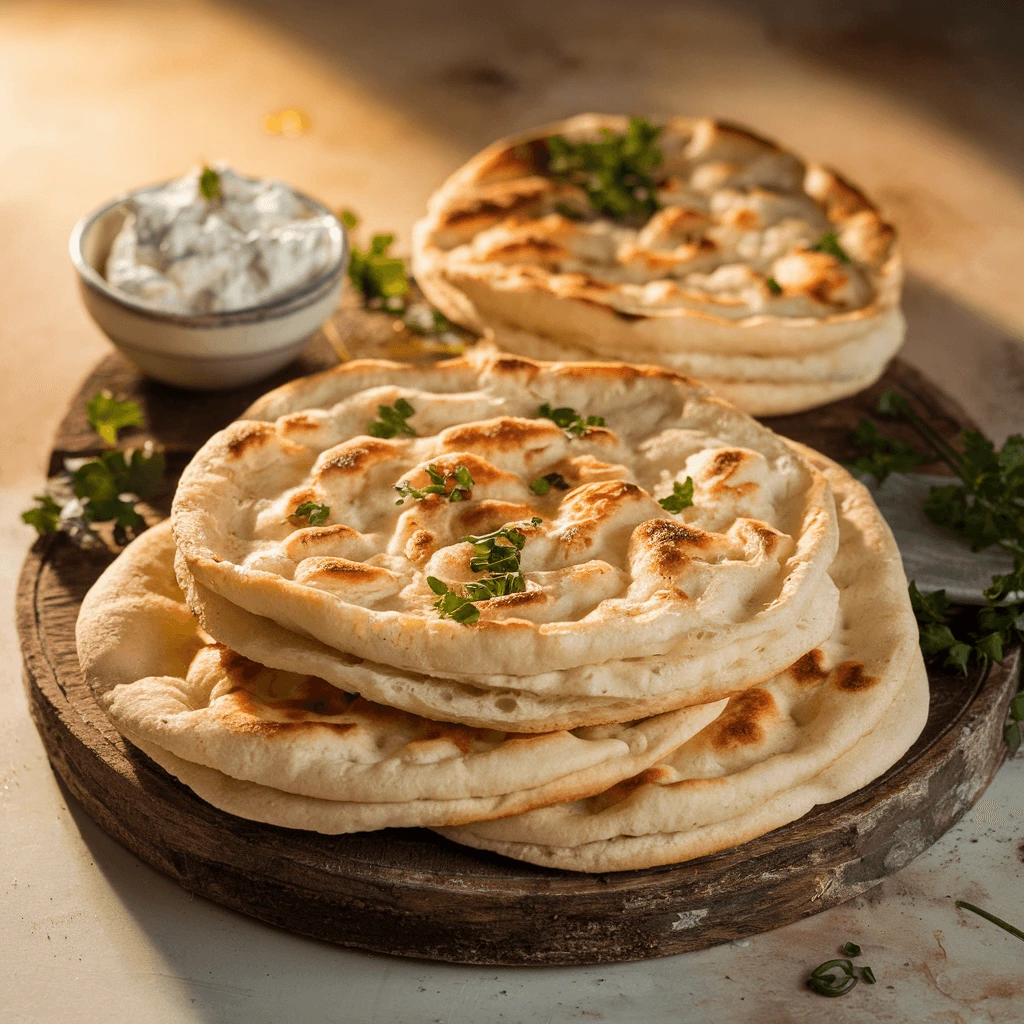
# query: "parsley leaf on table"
107 415
378 275
615 172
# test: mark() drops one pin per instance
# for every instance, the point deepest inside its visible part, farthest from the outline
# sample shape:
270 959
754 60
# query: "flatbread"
165 685
724 282
610 574
754 768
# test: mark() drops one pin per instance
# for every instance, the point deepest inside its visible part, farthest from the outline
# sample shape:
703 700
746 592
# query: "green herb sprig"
543 484
680 498
837 977
829 243
985 507
392 420
569 419
773 286
379 276
107 415
105 488
616 172
464 484
210 184
313 512
501 561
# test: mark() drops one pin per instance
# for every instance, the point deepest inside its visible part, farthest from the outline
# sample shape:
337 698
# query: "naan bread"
610 574
182 698
760 764
723 282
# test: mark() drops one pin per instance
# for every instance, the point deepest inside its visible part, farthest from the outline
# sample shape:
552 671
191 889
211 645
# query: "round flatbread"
608 573
169 689
756 269
759 765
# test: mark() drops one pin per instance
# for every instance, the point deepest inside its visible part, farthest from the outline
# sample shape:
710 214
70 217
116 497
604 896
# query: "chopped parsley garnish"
107 415
680 498
774 287
209 184
348 218
501 563
460 492
829 243
569 419
392 420
616 173
379 276
985 507
314 513
851 949
45 517
544 483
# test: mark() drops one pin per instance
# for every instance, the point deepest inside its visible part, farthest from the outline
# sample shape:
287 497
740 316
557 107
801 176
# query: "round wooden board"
409 892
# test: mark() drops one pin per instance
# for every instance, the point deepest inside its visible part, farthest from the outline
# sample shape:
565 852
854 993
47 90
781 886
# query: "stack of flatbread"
586 615
771 279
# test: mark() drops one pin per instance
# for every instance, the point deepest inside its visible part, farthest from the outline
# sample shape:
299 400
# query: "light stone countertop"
920 107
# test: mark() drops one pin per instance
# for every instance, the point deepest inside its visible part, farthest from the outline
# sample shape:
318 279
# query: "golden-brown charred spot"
537 250
513 365
312 697
744 218
525 598
355 457
249 438
680 220
298 422
769 538
743 721
420 546
492 513
656 775
739 132
328 567
850 677
727 462
810 668
662 532
238 669
314 536
515 161
503 434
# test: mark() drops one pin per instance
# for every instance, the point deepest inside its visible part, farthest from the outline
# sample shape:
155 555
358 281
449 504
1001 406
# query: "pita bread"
724 282
760 763
165 686
609 573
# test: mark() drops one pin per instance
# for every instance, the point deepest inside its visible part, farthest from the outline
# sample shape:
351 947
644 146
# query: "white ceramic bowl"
205 352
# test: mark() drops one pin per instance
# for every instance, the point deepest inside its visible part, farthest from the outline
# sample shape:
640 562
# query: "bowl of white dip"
213 280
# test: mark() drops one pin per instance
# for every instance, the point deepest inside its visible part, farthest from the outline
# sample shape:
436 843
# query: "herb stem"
990 917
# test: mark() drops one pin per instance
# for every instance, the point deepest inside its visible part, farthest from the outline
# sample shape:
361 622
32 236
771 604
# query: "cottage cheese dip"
216 242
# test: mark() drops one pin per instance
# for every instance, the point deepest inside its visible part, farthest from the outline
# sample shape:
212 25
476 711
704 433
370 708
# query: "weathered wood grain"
412 893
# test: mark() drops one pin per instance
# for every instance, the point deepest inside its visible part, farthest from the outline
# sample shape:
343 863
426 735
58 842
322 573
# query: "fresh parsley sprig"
569 419
985 506
680 498
210 184
501 562
543 484
617 172
107 415
379 276
392 420
103 489
313 512
461 490
829 243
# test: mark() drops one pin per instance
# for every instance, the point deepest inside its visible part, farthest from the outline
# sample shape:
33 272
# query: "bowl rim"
280 306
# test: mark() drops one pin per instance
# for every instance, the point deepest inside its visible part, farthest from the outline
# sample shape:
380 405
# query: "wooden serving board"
409 892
